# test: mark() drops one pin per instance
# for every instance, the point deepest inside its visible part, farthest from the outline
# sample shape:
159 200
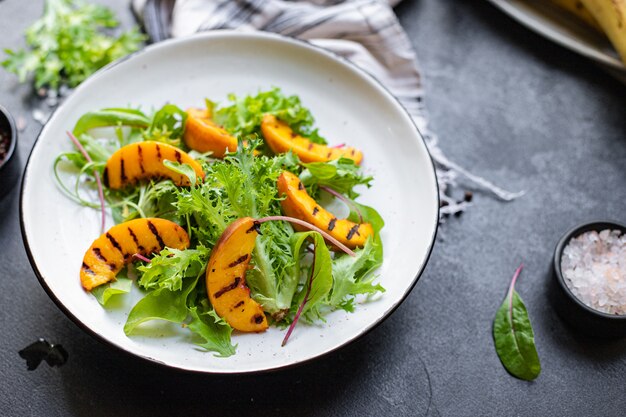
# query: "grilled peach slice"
280 138
298 203
203 135
108 254
143 160
226 277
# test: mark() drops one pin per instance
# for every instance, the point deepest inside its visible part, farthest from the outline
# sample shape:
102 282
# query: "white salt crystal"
594 268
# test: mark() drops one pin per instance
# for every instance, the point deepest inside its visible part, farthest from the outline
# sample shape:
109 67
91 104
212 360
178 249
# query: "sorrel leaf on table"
514 338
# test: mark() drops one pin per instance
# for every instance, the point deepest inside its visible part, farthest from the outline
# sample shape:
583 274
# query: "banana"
576 8
611 15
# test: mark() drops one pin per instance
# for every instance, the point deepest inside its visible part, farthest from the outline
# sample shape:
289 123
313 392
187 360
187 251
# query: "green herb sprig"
68 44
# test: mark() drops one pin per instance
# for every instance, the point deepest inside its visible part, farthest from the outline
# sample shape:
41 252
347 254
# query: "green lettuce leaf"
167 125
103 293
342 175
213 330
160 304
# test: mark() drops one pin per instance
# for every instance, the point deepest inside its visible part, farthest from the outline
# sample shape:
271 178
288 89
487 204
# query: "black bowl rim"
12 138
597 225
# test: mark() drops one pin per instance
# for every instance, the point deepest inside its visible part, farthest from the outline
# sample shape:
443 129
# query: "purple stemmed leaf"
513 336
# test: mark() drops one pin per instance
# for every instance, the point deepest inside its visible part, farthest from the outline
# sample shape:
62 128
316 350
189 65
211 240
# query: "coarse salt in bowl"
593 265
590 267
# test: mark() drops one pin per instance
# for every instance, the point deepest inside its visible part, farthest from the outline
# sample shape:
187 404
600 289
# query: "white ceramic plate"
558 26
349 106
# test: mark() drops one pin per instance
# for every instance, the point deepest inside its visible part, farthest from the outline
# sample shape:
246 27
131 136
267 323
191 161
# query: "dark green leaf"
514 339
110 117
320 282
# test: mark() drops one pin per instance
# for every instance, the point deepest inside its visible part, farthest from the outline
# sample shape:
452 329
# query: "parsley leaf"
67 44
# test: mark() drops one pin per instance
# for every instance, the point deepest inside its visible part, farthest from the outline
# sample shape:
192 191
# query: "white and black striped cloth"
366 32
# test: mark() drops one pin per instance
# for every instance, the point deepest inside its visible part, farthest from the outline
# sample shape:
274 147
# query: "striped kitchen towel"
366 32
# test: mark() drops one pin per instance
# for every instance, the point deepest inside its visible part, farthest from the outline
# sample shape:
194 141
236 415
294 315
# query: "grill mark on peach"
122 172
352 231
132 234
352 152
156 234
114 243
300 185
239 304
258 319
238 261
330 153
140 153
311 146
315 210
331 224
112 266
158 149
227 288
87 269
99 254
178 156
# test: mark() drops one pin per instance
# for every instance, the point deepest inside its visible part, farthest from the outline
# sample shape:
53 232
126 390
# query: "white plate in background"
561 27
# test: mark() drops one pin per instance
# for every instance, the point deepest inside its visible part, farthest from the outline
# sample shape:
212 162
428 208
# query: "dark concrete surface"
506 103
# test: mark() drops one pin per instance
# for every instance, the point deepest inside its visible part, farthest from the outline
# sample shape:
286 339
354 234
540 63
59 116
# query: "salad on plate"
227 216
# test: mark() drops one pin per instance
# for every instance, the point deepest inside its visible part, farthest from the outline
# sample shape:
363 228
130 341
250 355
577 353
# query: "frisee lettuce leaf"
69 43
243 117
212 330
171 266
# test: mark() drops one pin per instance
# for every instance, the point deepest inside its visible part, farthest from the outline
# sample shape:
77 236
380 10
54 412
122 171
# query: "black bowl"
10 165
580 316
